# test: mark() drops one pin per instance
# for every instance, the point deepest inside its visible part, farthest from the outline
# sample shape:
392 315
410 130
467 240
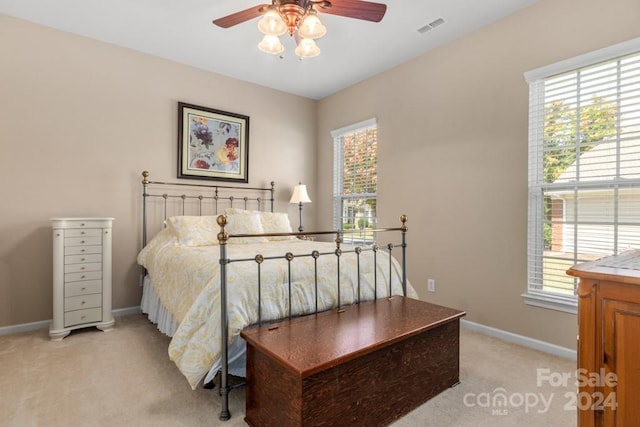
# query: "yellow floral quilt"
187 281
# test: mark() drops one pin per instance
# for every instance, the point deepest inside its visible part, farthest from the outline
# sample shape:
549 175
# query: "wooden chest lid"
310 344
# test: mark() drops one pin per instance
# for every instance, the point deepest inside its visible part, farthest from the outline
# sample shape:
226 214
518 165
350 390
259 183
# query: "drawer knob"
82 250
83 302
82 277
82 318
82 241
82 259
82 268
83 288
82 224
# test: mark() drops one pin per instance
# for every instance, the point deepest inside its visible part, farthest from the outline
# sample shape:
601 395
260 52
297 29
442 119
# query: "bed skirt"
160 316
153 308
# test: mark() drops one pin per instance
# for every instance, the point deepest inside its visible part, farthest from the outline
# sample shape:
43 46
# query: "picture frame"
212 144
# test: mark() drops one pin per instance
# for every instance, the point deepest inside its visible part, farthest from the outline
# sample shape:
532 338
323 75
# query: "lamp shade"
272 24
311 27
300 194
307 48
271 44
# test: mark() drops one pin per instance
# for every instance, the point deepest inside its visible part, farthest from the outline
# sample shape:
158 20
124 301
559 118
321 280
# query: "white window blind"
355 177
584 168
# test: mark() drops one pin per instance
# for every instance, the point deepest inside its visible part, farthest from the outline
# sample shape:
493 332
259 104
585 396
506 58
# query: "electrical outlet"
431 285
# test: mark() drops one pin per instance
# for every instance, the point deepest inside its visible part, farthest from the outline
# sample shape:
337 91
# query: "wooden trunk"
366 365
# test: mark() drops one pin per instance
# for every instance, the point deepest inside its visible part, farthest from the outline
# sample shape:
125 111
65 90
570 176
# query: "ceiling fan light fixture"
272 23
307 48
311 27
271 44
299 18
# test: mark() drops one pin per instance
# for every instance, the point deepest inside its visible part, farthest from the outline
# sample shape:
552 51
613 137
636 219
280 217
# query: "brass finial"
403 219
145 175
223 236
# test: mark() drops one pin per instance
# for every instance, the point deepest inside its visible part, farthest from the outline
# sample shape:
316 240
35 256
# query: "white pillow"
195 230
247 223
272 222
276 222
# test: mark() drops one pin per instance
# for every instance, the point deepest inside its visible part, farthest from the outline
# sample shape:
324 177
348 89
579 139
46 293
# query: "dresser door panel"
82 288
82 316
622 351
82 301
81 241
77 232
90 223
82 258
89 266
86 249
76 277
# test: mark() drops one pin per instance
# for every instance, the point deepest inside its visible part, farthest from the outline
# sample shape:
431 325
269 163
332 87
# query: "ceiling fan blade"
357 9
240 17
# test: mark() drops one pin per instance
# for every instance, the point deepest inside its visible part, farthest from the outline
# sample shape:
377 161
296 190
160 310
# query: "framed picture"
212 144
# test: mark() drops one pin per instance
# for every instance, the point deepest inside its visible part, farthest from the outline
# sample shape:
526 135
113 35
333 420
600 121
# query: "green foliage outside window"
569 131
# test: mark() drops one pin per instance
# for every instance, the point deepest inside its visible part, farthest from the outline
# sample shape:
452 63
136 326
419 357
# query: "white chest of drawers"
81 275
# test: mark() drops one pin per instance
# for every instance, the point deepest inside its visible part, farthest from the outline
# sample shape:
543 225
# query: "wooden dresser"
609 341
81 275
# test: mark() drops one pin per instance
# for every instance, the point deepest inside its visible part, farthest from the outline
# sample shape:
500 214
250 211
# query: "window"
355 177
584 167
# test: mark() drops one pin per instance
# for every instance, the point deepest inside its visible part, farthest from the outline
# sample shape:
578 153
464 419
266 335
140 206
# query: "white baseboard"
24 327
42 324
535 344
488 330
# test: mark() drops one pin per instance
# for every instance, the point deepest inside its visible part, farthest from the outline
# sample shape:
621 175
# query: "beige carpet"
124 378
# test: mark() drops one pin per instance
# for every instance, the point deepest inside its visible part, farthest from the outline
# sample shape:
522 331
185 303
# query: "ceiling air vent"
431 25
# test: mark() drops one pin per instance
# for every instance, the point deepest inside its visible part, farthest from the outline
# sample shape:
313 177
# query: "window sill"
553 302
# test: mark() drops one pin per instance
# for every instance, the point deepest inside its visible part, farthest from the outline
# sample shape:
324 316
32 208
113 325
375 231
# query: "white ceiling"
181 30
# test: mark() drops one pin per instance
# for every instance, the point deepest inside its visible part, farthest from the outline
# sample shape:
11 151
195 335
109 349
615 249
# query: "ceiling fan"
299 18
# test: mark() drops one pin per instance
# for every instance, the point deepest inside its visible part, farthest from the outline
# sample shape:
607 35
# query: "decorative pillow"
272 222
195 230
246 223
276 222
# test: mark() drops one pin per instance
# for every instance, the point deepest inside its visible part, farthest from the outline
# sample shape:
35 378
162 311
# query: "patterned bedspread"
187 281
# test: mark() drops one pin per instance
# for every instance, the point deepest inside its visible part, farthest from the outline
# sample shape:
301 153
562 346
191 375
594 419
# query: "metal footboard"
258 260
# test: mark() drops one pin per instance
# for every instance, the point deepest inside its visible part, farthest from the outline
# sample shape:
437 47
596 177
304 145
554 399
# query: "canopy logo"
500 401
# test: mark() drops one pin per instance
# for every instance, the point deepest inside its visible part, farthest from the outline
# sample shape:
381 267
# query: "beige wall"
80 120
453 155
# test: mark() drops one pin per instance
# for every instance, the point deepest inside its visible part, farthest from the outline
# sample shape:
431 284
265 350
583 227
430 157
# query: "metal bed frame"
213 194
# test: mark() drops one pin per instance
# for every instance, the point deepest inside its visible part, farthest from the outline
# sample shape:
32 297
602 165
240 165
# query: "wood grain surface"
367 365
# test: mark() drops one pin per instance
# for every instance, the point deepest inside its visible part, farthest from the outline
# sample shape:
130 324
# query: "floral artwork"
213 144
